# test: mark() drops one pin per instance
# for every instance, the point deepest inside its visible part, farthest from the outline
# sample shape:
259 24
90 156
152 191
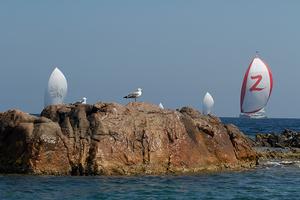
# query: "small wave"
288 162
280 163
271 163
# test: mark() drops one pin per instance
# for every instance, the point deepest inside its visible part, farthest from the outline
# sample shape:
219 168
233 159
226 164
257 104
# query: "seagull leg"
134 99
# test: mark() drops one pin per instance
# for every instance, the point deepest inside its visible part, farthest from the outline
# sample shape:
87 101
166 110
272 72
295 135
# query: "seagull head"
139 89
84 98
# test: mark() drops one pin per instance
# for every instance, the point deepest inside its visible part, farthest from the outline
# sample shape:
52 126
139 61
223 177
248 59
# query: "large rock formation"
108 138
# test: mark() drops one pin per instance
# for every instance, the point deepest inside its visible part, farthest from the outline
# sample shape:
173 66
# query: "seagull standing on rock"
83 101
136 94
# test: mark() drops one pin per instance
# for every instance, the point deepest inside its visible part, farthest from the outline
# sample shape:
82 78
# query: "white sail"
257 87
161 106
57 88
208 103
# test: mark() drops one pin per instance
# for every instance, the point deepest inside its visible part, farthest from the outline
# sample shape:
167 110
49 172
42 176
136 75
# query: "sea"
270 181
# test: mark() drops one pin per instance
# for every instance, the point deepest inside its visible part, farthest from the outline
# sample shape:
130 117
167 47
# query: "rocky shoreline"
112 139
283 147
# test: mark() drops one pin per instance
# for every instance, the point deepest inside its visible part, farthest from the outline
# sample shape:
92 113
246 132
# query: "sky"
175 50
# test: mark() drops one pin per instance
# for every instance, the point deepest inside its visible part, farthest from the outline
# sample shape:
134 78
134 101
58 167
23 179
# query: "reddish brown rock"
108 138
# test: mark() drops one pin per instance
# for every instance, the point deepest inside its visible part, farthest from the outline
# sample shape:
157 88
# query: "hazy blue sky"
174 50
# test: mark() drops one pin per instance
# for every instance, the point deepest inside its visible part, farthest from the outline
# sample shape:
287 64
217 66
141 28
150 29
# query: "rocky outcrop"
111 139
287 138
279 146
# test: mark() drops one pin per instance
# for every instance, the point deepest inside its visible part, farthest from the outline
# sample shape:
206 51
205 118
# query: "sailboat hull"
257 115
249 116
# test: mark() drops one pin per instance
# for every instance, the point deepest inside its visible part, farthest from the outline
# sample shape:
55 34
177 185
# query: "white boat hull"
257 115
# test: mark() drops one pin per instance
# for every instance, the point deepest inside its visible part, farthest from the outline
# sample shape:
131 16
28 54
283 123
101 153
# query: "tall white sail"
57 88
208 103
257 87
161 106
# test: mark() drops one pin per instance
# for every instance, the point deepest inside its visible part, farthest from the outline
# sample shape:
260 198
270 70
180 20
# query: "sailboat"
256 89
208 103
161 106
57 88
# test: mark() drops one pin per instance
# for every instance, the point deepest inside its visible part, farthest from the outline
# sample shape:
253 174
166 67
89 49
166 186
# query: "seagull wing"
132 95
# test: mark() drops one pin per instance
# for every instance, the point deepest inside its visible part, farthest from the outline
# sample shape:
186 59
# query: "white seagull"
83 101
136 94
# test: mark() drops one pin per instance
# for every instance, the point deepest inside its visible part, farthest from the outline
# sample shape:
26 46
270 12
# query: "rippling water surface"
252 126
273 181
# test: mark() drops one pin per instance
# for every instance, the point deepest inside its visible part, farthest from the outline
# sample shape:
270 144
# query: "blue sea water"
270 125
264 182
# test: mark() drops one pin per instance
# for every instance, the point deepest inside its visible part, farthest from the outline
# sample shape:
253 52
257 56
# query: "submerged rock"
111 139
